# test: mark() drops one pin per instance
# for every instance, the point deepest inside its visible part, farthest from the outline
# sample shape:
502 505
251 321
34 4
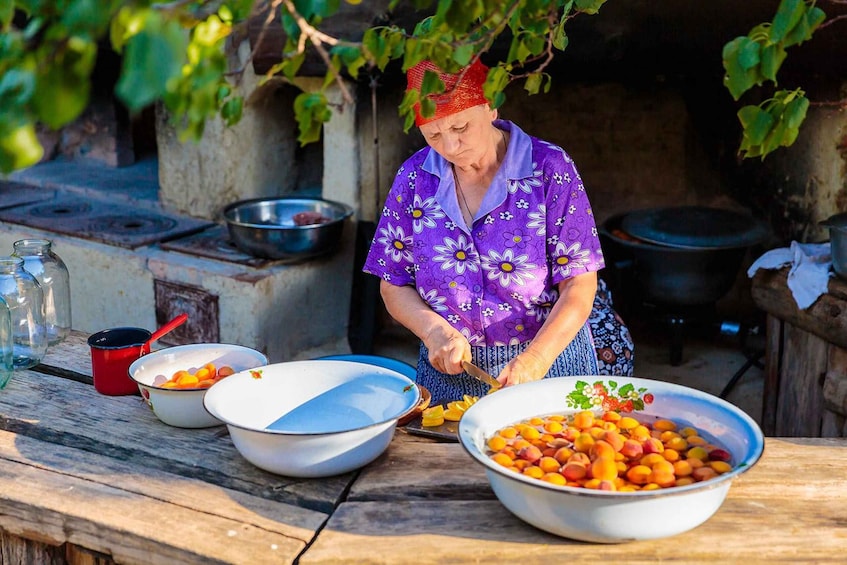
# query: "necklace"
461 193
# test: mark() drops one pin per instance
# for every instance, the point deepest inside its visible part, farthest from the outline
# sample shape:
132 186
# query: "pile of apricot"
608 452
203 377
452 411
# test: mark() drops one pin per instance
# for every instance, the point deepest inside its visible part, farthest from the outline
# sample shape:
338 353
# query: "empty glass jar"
6 363
25 299
51 273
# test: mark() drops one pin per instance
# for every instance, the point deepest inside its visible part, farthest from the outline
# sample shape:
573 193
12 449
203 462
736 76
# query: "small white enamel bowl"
604 516
312 418
183 407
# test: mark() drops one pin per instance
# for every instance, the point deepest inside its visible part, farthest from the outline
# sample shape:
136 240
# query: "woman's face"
463 138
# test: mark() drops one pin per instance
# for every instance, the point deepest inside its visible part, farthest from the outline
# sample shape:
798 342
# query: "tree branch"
317 39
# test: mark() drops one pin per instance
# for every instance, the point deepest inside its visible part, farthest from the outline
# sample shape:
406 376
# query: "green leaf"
62 88
787 16
152 58
321 8
19 147
16 87
560 38
311 111
533 83
463 54
772 57
795 112
805 27
756 122
589 6
7 12
232 110
740 61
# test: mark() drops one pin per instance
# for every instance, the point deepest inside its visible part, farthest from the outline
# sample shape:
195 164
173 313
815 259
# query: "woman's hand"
447 348
526 367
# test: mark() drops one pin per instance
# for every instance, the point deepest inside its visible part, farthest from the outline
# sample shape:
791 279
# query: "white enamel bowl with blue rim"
604 516
312 418
183 407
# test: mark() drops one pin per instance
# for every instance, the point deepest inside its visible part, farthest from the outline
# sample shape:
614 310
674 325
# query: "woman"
488 250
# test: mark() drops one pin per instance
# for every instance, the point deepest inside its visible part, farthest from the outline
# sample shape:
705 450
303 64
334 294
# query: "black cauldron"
681 256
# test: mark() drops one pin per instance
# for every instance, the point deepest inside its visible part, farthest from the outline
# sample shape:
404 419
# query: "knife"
481 375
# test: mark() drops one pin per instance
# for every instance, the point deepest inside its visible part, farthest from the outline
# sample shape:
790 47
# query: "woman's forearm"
568 316
407 307
447 347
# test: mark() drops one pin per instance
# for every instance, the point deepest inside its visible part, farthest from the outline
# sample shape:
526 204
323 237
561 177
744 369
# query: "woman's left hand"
526 367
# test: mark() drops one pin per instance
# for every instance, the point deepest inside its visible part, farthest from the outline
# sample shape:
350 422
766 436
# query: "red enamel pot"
113 350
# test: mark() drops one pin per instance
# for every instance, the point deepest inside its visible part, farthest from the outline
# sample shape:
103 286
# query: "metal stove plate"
213 243
694 227
98 220
17 194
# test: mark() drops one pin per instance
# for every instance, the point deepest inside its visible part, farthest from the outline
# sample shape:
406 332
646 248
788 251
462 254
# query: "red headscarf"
456 97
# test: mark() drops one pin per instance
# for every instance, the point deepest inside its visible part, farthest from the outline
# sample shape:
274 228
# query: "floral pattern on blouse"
495 281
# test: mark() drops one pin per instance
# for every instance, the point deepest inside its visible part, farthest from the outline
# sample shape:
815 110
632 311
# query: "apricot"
583 443
602 450
639 474
563 454
496 443
530 453
583 420
554 478
574 471
604 469
632 449
549 464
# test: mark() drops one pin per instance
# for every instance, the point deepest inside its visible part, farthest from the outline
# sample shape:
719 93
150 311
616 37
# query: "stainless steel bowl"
265 227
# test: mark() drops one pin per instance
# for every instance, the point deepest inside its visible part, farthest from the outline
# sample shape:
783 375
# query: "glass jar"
25 299
52 274
6 363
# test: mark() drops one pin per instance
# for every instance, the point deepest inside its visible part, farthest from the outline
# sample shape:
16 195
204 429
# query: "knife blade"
480 375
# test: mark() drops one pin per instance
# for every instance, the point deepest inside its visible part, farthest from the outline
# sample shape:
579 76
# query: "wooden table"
86 478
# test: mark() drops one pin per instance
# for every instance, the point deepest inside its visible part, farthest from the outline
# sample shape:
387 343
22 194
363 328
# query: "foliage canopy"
176 53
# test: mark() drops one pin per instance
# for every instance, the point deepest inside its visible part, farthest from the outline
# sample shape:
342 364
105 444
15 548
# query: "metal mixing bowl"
265 227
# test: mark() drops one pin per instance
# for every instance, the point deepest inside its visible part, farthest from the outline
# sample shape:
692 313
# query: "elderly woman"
488 251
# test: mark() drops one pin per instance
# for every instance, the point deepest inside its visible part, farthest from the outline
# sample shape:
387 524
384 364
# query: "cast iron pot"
671 275
838 243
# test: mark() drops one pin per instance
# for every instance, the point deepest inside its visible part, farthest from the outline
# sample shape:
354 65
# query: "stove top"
123 225
213 243
16 194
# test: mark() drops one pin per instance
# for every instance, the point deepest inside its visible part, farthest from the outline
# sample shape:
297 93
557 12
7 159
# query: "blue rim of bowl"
758 448
408 388
183 348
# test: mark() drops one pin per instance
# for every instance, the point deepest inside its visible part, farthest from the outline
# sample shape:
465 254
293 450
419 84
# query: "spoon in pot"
167 328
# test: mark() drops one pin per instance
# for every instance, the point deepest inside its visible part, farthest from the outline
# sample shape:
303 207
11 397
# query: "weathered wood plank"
804 519
800 406
413 467
773 355
73 414
70 359
58 495
826 318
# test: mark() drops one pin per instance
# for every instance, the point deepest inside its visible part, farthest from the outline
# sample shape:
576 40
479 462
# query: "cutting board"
448 431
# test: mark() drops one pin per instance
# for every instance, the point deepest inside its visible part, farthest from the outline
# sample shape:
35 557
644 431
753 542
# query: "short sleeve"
573 245
390 256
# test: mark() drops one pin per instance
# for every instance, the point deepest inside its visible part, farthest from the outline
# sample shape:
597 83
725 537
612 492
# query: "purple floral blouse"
495 282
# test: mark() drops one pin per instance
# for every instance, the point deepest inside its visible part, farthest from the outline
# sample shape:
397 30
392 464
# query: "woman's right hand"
447 349
447 346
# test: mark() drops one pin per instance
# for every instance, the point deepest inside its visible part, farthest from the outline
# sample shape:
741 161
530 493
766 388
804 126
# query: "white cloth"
809 275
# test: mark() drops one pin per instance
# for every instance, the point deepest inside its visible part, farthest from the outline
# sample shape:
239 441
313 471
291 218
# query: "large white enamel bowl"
183 408
312 418
602 516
